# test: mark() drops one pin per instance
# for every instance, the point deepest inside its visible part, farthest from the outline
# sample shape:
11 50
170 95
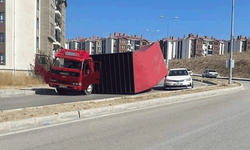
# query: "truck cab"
70 70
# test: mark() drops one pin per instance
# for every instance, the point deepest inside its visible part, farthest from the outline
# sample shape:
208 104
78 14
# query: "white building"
109 45
182 48
20 43
23 34
192 46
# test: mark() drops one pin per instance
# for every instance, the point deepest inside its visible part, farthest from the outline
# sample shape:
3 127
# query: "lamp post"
231 46
152 34
174 18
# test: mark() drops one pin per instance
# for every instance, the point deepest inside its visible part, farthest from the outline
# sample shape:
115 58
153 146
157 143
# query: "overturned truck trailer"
130 72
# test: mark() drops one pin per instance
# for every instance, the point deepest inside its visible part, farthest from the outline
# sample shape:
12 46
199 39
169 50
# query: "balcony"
58 12
58 39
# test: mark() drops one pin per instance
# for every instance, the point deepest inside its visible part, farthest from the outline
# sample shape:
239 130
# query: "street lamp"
152 33
174 18
231 46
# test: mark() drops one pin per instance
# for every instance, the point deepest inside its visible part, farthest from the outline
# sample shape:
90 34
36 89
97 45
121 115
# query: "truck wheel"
89 90
61 91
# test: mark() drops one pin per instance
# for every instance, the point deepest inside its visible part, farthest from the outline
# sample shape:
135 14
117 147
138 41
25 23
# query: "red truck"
71 70
118 73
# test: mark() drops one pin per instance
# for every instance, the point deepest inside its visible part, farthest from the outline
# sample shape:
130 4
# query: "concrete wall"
47 26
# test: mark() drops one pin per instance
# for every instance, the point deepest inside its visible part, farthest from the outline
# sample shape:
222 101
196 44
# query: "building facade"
26 28
191 46
114 43
241 44
53 14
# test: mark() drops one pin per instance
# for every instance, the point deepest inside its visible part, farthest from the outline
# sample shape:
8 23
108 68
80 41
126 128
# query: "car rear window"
212 70
178 73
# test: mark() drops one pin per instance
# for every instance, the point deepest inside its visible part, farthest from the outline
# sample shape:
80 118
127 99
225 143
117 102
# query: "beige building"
28 27
53 14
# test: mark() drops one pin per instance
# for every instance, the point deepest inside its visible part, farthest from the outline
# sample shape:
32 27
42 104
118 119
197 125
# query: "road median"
72 111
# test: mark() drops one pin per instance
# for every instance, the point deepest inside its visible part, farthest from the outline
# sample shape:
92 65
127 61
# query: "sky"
142 17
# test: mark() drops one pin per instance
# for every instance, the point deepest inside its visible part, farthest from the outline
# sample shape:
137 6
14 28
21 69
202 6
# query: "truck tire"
61 91
89 90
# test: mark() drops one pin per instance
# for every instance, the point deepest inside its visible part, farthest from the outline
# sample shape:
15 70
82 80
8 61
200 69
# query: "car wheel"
89 90
61 91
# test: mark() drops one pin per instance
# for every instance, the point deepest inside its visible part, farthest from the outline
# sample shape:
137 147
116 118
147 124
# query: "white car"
210 73
178 78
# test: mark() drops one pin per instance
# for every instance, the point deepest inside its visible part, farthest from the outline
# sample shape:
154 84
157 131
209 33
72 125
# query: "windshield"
178 73
65 63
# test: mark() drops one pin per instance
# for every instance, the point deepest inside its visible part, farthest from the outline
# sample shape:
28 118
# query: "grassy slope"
198 65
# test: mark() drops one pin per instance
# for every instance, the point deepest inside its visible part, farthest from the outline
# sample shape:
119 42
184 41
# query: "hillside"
199 64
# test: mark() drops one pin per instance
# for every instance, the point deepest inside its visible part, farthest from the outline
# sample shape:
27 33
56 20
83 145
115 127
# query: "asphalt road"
54 98
211 123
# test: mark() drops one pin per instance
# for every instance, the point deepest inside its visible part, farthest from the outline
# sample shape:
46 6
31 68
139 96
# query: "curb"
17 93
25 91
205 81
11 126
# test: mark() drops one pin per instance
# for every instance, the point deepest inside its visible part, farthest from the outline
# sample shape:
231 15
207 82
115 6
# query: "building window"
37 23
199 46
37 42
2 1
2 58
37 4
2 38
2 17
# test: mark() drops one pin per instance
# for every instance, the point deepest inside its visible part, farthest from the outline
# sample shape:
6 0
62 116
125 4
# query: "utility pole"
231 45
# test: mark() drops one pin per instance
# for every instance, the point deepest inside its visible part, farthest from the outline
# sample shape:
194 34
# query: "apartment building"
120 43
2 32
19 34
191 46
26 28
241 44
115 43
53 19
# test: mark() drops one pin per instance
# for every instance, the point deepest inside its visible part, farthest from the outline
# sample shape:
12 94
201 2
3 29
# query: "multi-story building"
117 43
53 14
26 28
241 44
2 33
191 46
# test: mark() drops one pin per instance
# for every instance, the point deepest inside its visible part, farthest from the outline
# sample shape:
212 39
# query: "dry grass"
18 80
54 109
199 64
